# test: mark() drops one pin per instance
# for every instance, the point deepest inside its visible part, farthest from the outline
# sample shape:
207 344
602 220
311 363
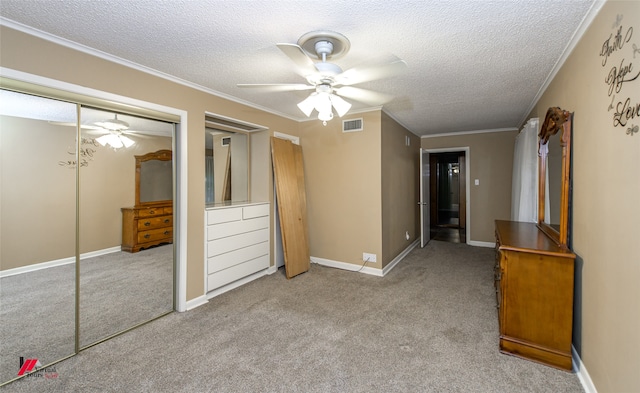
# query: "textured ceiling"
472 65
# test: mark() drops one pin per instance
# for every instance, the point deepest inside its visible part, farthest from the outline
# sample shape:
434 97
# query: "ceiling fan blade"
294 52
365 74
278 86
367 96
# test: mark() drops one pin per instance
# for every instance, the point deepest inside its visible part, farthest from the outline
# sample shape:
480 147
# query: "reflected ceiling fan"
115 137
327 79
114 132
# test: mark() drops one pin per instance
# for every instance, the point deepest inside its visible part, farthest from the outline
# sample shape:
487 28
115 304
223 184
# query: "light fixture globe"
323 103
342 106
308 104
115 140
323 100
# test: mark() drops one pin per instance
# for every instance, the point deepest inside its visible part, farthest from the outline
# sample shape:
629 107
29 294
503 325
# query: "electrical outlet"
371 258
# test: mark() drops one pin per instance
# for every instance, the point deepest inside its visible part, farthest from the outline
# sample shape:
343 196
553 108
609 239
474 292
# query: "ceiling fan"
115 137
327 79
114 132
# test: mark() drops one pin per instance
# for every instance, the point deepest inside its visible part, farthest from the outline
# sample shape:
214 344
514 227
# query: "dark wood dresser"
146 226
534 291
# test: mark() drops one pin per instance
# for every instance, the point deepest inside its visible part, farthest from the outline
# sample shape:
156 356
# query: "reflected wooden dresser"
534 291
146 226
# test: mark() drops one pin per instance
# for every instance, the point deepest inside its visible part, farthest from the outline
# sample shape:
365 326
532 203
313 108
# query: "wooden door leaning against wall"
292 205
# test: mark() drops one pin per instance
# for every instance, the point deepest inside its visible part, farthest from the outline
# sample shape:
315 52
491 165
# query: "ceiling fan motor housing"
324 49
332 44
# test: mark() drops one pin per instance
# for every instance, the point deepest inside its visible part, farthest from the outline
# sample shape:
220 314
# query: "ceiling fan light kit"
328 79
115 141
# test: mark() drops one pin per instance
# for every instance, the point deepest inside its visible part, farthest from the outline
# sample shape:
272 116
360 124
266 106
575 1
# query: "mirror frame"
556 120
162 155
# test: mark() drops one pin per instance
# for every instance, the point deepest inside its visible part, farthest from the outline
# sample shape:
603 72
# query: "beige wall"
36 56
36 189
342 176
491 162
606 212
400 183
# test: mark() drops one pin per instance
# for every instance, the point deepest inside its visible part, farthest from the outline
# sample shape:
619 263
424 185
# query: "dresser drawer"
155 234
226 276
154 222
151 211
236 257
249 212
219 216
226 244
236 227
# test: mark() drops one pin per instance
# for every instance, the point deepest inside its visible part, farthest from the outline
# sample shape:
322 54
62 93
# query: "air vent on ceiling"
352 125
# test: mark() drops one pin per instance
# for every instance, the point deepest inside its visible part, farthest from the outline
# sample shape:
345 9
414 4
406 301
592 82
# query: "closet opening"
66 280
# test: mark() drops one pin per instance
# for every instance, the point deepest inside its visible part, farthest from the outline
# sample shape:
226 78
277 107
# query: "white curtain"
524 192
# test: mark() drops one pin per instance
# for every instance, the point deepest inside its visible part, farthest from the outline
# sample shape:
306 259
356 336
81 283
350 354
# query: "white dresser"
237 244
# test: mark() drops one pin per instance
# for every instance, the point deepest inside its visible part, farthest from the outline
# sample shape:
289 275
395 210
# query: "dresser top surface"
526 236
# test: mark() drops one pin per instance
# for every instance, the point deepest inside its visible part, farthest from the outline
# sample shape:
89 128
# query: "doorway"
447 196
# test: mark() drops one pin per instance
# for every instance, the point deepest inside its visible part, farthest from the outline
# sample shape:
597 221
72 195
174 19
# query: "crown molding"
470 132
130 64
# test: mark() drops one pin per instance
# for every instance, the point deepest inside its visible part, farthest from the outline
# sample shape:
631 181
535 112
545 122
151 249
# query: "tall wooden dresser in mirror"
534 269
150 221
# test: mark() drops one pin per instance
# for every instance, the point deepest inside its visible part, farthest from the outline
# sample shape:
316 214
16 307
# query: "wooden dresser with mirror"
534 270
150 221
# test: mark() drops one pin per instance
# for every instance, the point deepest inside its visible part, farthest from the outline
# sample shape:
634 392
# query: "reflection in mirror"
37 231
118 289
227 167
554 175
156 181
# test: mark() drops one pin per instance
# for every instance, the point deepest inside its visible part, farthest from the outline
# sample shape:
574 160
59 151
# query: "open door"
425 219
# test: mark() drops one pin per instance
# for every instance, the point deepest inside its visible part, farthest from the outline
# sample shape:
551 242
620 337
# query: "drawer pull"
166 220
152 212
166 232
146 236
146 224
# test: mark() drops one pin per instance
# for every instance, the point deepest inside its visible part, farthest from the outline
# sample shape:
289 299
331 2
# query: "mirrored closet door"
37 231
121 289
70 178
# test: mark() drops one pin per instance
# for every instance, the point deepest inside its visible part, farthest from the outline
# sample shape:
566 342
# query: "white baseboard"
197 302
58 262
365 269
400 257
236 284
582 373
347 266
481 244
